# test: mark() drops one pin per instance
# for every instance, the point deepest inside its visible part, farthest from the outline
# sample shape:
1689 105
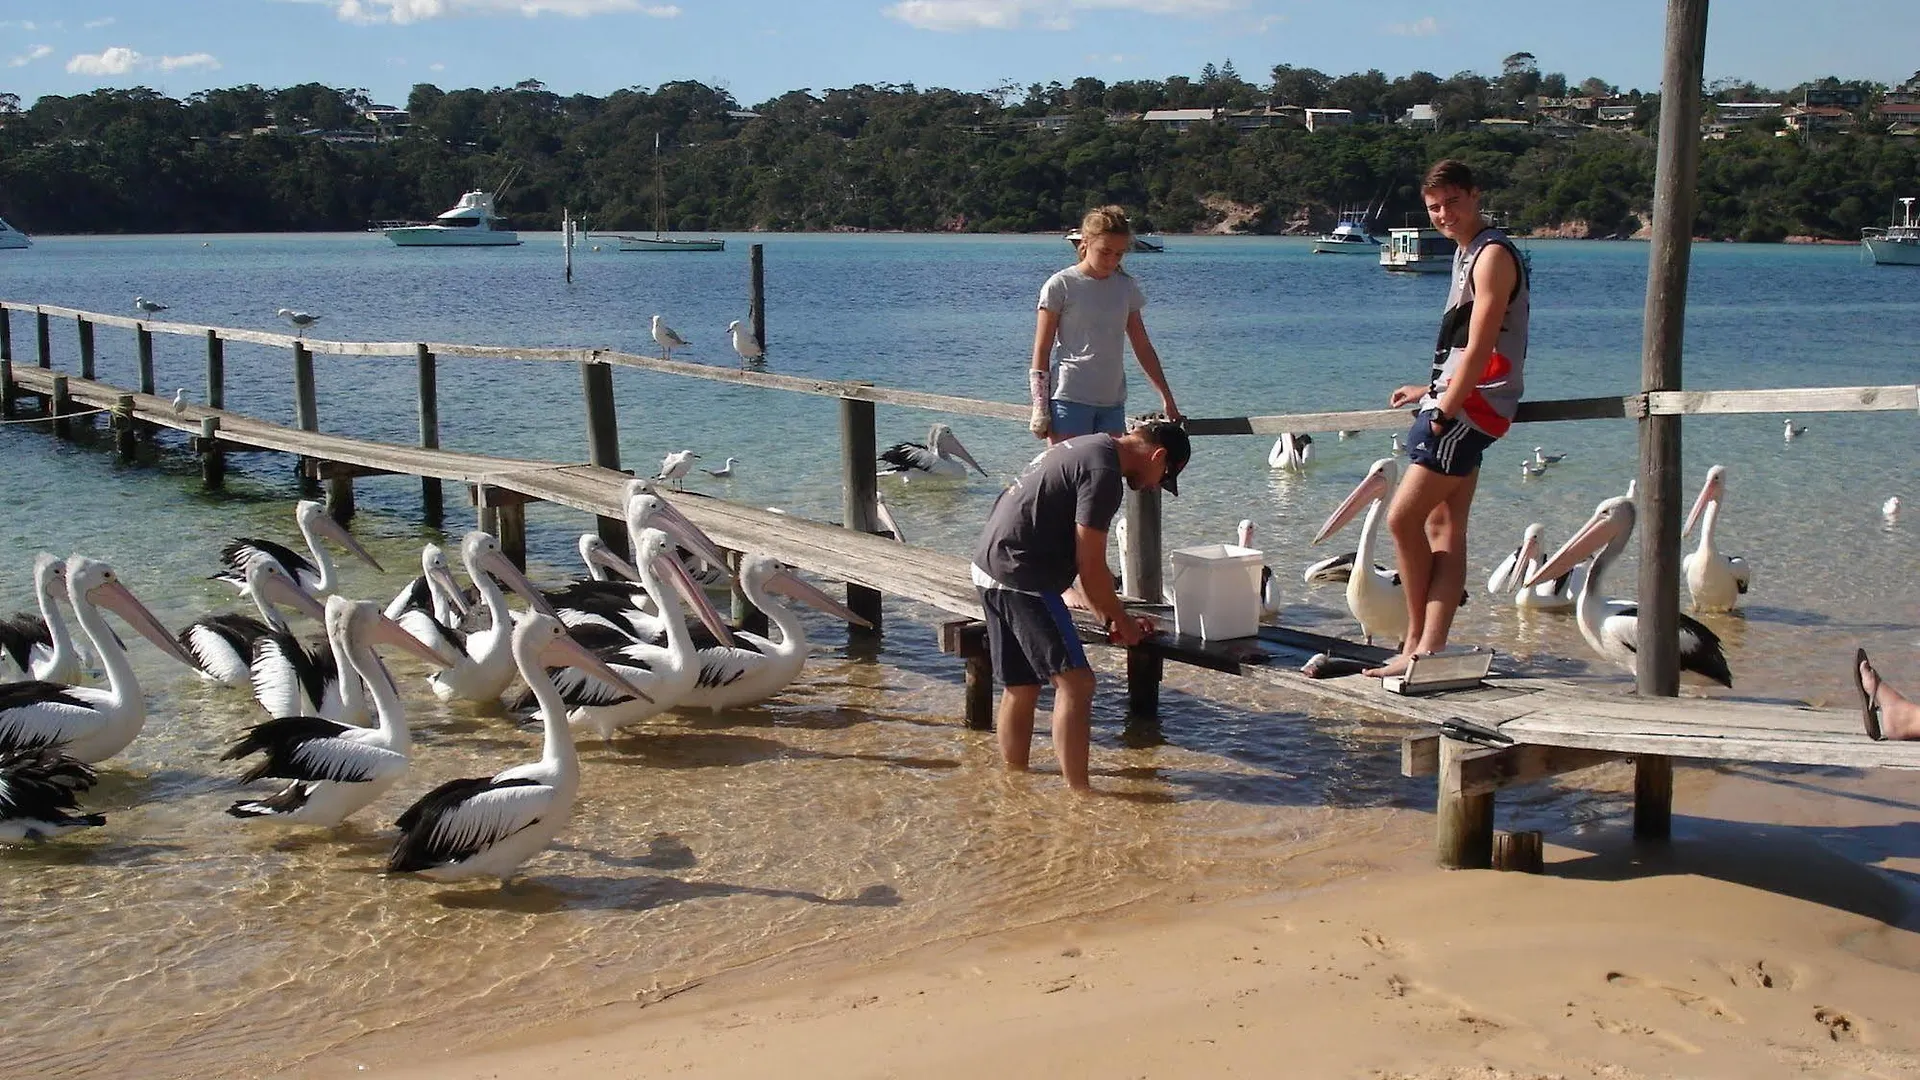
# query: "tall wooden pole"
43 337
858 484
1141 571
85 329
1657 661
144 338
216 371
306 409
6 334
432 496
757 292
603 442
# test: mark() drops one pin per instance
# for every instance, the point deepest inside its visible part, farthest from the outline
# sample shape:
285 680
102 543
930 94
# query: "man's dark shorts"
1454 451
1031 637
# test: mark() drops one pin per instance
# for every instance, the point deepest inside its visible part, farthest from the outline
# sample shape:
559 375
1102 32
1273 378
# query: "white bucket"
1216 591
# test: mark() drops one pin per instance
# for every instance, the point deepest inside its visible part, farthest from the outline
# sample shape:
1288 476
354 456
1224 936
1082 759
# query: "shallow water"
853 816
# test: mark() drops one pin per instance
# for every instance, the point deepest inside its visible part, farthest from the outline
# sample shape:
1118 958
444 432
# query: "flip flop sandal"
1869 703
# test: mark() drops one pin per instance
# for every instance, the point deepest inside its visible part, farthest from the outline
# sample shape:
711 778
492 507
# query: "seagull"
1531 468
1547 459
744 343
1397 448
180 400
668 341
1347 434
1891 509
723 472
677 465
141 303
300 319
1794 429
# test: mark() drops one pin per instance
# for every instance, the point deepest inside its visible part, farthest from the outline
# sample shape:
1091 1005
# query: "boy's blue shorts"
1453 452
1070 418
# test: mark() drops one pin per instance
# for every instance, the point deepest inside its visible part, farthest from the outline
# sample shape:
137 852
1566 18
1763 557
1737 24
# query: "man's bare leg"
1072 724
1419 493
1447 534
1014 725
1899 717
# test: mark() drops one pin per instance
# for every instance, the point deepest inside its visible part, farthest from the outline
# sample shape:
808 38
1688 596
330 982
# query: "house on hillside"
1898 112
1810 118
1501 123
1320 119
1423 117
388 120
1245 120
1740 112
1615 117
1179 119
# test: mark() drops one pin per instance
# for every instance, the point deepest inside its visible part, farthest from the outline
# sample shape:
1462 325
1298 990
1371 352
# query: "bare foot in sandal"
1896 717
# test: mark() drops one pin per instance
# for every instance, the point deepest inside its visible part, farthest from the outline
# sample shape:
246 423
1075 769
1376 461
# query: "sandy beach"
1766 941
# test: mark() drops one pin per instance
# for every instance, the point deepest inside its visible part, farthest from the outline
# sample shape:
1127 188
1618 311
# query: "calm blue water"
855 809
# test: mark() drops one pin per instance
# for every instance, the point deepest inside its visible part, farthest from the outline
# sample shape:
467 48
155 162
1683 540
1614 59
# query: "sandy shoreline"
1759 943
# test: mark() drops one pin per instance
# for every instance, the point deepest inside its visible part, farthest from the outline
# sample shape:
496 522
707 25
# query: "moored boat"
1899 243
472 222
11 237
1349 237
1417 250
1142 242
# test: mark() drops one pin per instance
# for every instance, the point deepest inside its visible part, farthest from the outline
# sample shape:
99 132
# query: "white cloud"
402 12
34 52
1426 27
95 24
117 60
436 66
29 26
957 15
191 60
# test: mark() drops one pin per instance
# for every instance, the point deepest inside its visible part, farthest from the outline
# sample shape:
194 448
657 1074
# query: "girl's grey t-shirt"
1088 351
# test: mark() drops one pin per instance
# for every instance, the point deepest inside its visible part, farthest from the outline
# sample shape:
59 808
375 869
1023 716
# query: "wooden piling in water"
85 330
757 292
603 441
213 461
1519 852
432 498
306 408
340 505
1140 573
124 442
61 405
6 386
1145 669
144 338
504 514
1463 833
967 639
43 338
858 483
216 371
6 334
744 615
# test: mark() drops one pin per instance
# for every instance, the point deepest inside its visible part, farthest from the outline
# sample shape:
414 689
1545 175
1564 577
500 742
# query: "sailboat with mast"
659 242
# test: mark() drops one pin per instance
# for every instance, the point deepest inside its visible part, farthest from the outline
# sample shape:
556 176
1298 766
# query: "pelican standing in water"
317 576
1291 452
222 645
758 667
1374 596
335 769
1558 594
40 646
37 793
490 826
1612 627
87 723
942 455
483 660
627 607
1716 582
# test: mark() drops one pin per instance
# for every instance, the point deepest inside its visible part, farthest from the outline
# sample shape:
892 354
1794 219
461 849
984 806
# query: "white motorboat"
1899 243
1142 242
1417 250
1349 237
11 237
471 223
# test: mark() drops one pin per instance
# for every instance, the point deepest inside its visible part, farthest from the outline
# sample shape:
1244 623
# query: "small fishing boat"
1349 237
11 237
1896 245
1417 249
472 222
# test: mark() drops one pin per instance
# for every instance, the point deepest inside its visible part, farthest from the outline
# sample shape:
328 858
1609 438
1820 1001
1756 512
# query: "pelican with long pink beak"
317 576
1556 595
1715 581
1612 627
758 668
1374 596
941 456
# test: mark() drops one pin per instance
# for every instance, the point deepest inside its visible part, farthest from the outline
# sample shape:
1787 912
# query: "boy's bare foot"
1396 666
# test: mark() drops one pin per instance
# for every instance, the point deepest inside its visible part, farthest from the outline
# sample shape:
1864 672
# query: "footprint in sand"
1642 1031
1700 1003
1840 1026
1378 943
1760 975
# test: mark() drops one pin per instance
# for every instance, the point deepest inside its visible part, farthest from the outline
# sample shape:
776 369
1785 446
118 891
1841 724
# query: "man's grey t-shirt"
1088 358
1029 539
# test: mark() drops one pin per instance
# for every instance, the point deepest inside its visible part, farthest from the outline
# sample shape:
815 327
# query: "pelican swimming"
668 340
483 660
488 827
335 768
758 668
433 591
1291 452
222 645
1347 433
1715 581
1269 587
1555 595
942 455
1374 597
37 793
87 723
317 576
675 466
1793 429
40 646
745 344
1612 627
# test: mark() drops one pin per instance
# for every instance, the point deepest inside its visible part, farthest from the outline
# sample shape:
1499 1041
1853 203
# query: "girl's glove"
1039 392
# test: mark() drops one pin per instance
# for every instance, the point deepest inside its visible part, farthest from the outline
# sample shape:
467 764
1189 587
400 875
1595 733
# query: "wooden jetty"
1510 730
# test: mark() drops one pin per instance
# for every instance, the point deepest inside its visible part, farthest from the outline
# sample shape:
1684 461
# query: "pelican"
40 645
724 472
758 668
885 524
1793 429
37 789
300 319
434 591
942 455
1269 587
84 722
1530 468
335 768
222 645
675 466
1347 433
316 576
1291 452
180 400
1611 627
1544 459
1555 595
1375 597
483 660
1338 570
1715 581
745 344
625 606
488 827
146 306
703 560
664 336
665 673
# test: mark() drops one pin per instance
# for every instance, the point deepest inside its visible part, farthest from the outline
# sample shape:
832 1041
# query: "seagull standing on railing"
180 400
147 306
665 337
745 344
676 466
300 319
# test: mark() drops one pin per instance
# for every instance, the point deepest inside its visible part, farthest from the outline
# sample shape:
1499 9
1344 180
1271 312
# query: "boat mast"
658 185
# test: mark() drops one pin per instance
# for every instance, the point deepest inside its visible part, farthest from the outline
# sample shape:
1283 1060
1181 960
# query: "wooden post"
603 442
513 533
62 404
1657 661
1141 573
213 462
1463 835
44 338
123 434
6 384
216 371
967 639
1145 667
858 483
144 337
340 495
757 292
1519 851
432 498
85 329
6 333
306 408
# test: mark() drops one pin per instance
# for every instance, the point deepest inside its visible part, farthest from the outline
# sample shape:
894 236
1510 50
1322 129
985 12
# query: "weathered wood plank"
1784 400
1595 408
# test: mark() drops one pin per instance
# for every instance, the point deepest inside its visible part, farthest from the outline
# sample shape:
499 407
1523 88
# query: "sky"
758 49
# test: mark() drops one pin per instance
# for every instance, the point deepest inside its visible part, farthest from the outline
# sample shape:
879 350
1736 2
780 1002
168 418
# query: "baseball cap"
1173 438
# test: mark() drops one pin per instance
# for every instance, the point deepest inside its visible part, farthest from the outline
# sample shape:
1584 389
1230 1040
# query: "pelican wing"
35 714
240 554
724 667
312 749
416 595
436 634
40 783
907 457
461 818
288 679
19 634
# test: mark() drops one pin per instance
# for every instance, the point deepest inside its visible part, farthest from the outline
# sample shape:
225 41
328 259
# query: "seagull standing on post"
676 466
665 337
147 306
745 344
